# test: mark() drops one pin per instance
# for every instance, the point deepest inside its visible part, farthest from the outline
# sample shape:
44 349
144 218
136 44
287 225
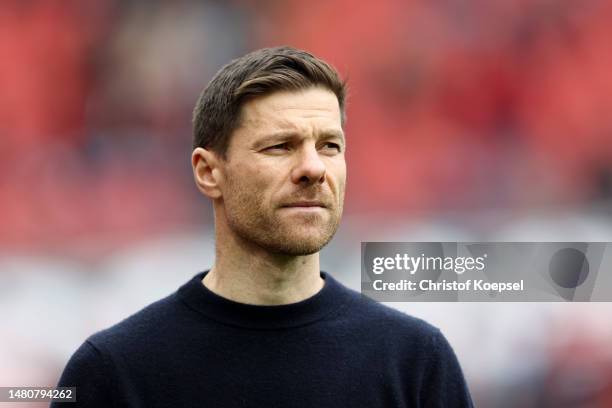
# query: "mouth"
305 204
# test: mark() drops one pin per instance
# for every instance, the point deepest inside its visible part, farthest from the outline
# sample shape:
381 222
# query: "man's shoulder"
141 326
372 315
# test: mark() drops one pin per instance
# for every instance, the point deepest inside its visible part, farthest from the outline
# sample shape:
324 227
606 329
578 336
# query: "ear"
207 172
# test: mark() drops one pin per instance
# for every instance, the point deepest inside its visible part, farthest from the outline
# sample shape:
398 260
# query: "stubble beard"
268 229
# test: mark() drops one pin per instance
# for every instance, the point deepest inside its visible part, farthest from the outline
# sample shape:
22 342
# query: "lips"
306 204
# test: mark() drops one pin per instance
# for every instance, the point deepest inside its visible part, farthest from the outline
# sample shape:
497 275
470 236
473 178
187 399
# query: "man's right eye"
276 147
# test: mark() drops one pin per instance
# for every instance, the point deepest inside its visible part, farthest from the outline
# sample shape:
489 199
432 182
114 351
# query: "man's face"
285 172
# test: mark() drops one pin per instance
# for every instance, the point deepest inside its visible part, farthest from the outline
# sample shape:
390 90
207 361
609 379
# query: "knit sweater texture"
336 349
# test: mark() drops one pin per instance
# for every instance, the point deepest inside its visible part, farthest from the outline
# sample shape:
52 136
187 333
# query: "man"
265 327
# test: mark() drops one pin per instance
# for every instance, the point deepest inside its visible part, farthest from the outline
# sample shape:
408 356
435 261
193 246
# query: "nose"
309 168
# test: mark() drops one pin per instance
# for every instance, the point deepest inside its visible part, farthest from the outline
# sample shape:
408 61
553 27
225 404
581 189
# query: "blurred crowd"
454 107
96 116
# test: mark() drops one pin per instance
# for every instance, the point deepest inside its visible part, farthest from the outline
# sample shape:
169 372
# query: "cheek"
252 185
337 171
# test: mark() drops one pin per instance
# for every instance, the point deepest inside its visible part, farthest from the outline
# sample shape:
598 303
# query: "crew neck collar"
327 300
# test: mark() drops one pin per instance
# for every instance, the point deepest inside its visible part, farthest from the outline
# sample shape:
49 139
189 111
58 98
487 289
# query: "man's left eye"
333 146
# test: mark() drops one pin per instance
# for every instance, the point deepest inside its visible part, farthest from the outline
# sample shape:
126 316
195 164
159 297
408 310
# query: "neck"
247 273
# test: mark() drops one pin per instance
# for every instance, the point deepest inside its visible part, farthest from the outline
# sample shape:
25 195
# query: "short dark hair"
217 112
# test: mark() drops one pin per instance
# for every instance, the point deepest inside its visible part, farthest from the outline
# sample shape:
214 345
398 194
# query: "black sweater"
336 349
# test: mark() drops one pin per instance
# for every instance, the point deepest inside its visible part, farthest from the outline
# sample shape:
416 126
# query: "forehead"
292 109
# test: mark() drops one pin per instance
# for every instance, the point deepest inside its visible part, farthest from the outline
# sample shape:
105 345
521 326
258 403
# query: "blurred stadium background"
467 120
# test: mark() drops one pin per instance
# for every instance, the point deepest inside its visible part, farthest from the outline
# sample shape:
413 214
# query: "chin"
300 245
293 239
297 250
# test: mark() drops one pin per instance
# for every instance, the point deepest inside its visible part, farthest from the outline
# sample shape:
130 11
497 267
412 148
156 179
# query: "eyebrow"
286 134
